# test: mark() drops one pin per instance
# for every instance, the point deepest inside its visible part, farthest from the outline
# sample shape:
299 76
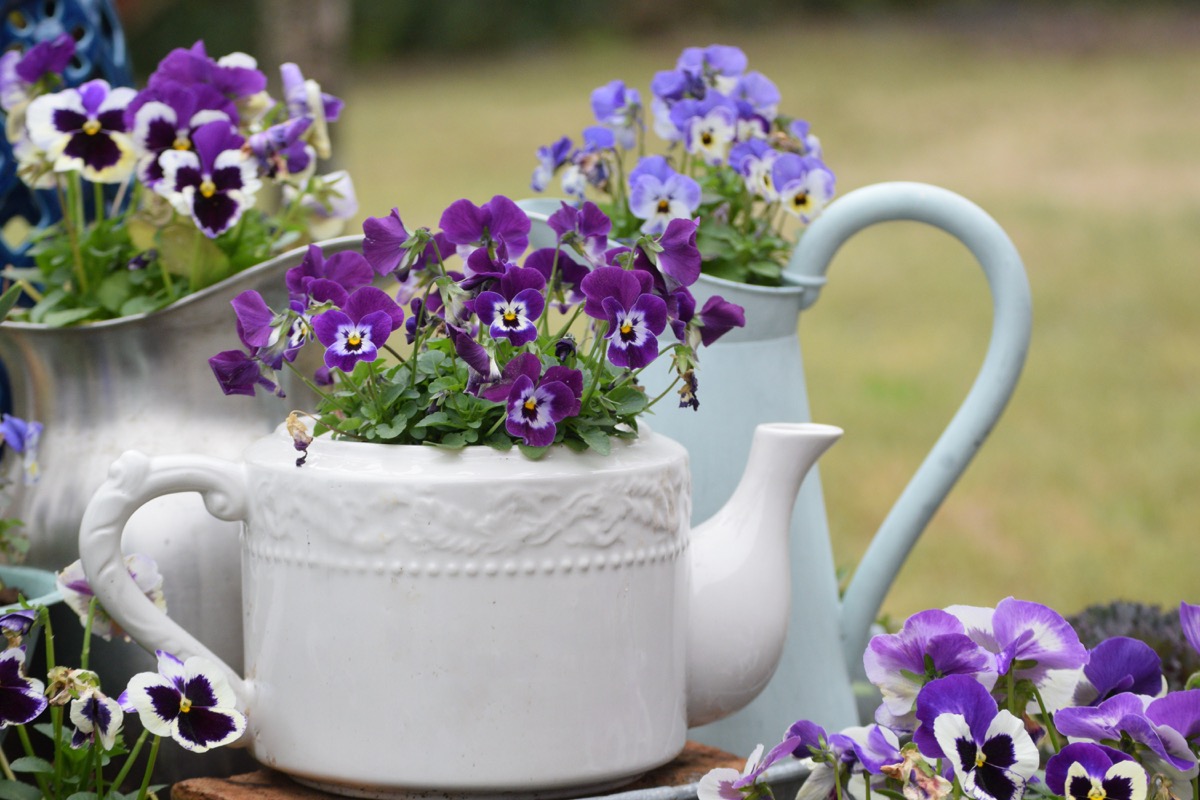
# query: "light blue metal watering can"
756 374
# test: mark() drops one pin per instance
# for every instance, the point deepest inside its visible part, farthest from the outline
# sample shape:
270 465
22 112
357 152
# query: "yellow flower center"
185 705
980 759
181 143
91 127
626 329
530 404
800 200
706 138
354 340
509 316
664 206
208 188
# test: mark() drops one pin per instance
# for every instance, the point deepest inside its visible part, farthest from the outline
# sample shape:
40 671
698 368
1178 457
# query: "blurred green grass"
1087 151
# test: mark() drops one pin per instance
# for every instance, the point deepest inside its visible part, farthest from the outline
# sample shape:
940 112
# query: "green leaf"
82 796
14 790
9 299
452 441
114 291
532 453
142 304
60 319
432 420
629 401
32 764
596 439
1193 681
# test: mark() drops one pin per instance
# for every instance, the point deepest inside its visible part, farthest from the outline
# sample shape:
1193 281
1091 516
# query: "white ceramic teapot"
474 621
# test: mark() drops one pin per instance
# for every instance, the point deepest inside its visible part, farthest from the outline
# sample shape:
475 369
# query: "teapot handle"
954 449
133 480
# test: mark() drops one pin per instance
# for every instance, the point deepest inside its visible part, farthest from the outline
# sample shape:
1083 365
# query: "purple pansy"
356 331
84 129
349 269
931 644
1087 771
480 364
803 184
215 183
589 166
713 61
238 372
190 701
281 150
1180 711
557 267
498 221
620 109
21 698
1126 715
992 755
48 57
1189 620
635 317
535 408
512 312
856 751
756 96
167 118
718 317
383 242
709 126
235 76
96 717
585 229
678 257
550 157
1120 664
659 194
305 100
805 139
24 437
726 783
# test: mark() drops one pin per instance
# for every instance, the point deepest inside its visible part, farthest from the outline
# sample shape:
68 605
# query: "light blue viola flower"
1120 664
807 141
24 438
659 194
991 754
804 185
620 109
550 158
1124 716
190 701
709 126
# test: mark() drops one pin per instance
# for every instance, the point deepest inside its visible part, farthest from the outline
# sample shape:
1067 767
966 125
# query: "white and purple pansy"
931 644
620 109
803 184
709 126
15 624
659 194
850 756
1087 771
21 698
77 593
20 72
166 120
305 100
991 753
356 331
96 717
1032 640
635 316
549 157
536 405
190 701
512 312
84 130
213 184
281 151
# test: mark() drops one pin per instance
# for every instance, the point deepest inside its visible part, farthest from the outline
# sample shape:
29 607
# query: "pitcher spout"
741 579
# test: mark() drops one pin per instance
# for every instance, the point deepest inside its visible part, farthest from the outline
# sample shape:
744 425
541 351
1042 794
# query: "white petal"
1024 749
1134 772
947 730
198 666
137 695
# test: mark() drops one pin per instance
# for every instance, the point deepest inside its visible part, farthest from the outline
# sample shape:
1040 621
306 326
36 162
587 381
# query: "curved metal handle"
133 480
1012 316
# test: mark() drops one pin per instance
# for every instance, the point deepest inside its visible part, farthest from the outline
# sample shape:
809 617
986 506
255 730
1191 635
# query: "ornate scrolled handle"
133 480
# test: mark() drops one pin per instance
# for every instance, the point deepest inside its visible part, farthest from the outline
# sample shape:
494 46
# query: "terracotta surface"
695 760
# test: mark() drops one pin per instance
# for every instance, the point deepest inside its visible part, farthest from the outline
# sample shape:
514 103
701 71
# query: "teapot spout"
741 578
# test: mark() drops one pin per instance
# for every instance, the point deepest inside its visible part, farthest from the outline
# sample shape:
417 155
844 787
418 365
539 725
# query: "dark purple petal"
507 223
1122 664
46 57
367 300
199 691
1189 619
238 373
97 151
462 222
255 317
228 179
624 286
206 727
679 260
526 364
350 269
810 738
215 214
382 240
165 700
471 351
66 120
718 317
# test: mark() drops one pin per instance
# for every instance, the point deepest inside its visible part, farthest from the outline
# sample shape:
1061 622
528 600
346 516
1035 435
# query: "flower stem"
308 382
5 768
666 391
597 357
100 767
1051 731
149 768
86 651
98 201
72 223
133 754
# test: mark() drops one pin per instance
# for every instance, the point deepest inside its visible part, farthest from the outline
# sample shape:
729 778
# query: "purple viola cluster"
203 135
991 703
729 148
533 344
